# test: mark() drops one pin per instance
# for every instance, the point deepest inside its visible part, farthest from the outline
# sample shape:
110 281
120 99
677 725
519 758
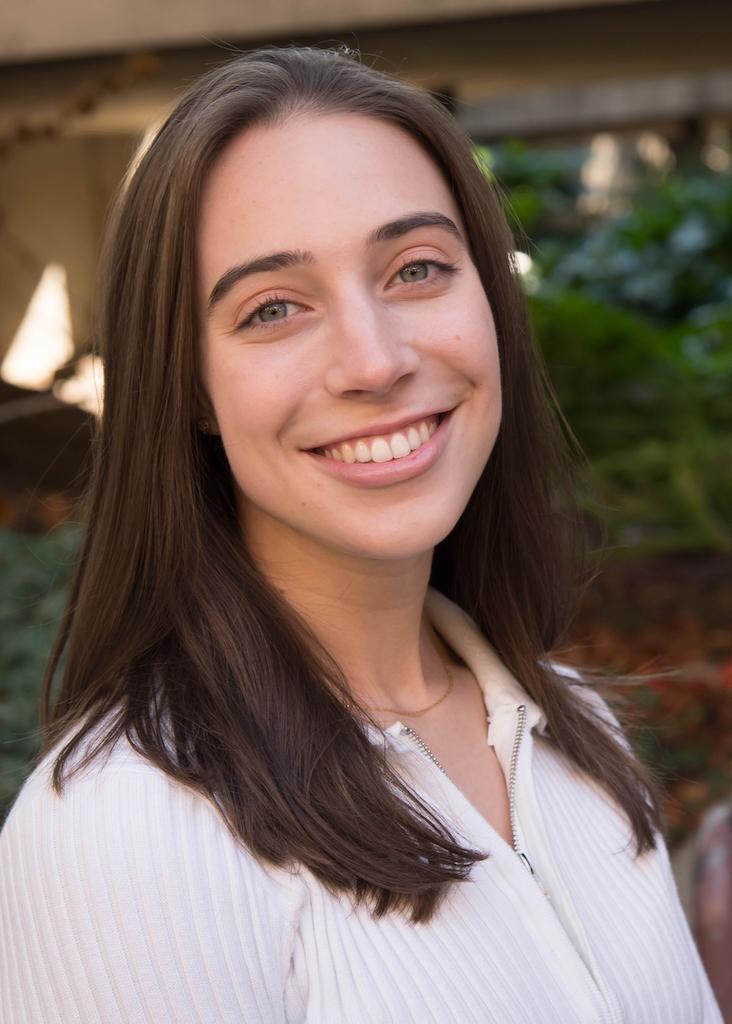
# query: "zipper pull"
525 861
527 864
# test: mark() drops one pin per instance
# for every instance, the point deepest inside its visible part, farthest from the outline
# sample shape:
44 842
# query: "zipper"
523 856
612 1015
407 729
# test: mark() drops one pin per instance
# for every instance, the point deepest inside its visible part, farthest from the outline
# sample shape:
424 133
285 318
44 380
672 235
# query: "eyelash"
445 269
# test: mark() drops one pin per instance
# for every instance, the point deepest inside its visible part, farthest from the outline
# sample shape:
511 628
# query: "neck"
368 614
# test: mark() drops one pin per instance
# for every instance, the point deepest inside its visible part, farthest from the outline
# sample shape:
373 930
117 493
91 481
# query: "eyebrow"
297 257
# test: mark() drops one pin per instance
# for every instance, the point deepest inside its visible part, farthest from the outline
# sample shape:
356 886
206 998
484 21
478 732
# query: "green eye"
411 267
420 266
264 311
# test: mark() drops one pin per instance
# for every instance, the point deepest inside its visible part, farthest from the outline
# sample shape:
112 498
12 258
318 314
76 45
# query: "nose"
369 352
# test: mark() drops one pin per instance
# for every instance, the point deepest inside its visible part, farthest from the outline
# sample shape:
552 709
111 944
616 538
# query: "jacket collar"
501 690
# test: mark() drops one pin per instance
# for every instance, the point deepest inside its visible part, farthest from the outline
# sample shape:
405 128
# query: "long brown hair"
171 630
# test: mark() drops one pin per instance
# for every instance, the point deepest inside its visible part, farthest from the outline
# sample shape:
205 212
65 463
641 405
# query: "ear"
204 415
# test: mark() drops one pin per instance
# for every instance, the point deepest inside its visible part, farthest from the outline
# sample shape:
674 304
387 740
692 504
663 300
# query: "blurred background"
608 127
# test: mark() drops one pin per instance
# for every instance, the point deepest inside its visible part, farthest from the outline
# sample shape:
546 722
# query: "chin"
404 540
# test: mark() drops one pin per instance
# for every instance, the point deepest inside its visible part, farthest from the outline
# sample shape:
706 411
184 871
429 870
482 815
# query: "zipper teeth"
511 785
424 748
512 769
512 773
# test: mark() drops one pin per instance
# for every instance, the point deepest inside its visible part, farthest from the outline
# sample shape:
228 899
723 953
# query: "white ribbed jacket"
128 901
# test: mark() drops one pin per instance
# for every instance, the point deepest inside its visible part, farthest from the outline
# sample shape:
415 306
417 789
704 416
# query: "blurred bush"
684 730
633 312
35 572
645 615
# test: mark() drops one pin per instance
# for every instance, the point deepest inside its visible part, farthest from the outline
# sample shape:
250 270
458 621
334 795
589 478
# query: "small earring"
204 426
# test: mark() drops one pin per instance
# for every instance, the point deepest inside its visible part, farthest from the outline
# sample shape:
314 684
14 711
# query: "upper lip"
390 427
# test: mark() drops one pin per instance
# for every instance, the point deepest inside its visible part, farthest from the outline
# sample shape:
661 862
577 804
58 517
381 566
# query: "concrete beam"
44 30
482 59
598 106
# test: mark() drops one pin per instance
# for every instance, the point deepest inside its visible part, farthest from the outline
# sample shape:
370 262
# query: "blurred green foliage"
35 572
633 313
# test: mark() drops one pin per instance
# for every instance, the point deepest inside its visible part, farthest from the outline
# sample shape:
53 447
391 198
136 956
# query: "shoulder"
117 811
588 692
128 882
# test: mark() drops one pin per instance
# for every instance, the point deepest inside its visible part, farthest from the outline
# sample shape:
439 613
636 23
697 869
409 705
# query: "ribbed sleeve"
126 900
645 884
596 873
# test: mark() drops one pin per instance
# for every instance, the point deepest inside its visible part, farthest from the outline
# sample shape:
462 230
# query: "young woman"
310 759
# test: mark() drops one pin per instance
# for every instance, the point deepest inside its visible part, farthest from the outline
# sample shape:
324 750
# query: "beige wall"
54 197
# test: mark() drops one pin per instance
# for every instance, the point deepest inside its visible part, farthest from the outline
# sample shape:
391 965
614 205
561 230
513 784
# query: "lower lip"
381 474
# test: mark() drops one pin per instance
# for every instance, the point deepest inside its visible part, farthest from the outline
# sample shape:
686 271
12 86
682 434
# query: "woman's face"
341 316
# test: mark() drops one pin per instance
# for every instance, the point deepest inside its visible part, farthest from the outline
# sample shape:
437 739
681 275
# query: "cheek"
249 399
475 349
255 405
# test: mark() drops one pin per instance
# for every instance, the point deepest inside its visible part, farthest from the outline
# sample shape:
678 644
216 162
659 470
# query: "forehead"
315 181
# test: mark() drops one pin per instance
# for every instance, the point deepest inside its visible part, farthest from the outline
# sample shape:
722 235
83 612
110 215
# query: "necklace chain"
422 711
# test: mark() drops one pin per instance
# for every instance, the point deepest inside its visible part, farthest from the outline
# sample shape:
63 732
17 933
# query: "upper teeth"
383 448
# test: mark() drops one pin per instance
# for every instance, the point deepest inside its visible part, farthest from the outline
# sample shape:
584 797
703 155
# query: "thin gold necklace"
422 711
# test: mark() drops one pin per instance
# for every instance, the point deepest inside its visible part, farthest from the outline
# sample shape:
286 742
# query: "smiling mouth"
384 447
